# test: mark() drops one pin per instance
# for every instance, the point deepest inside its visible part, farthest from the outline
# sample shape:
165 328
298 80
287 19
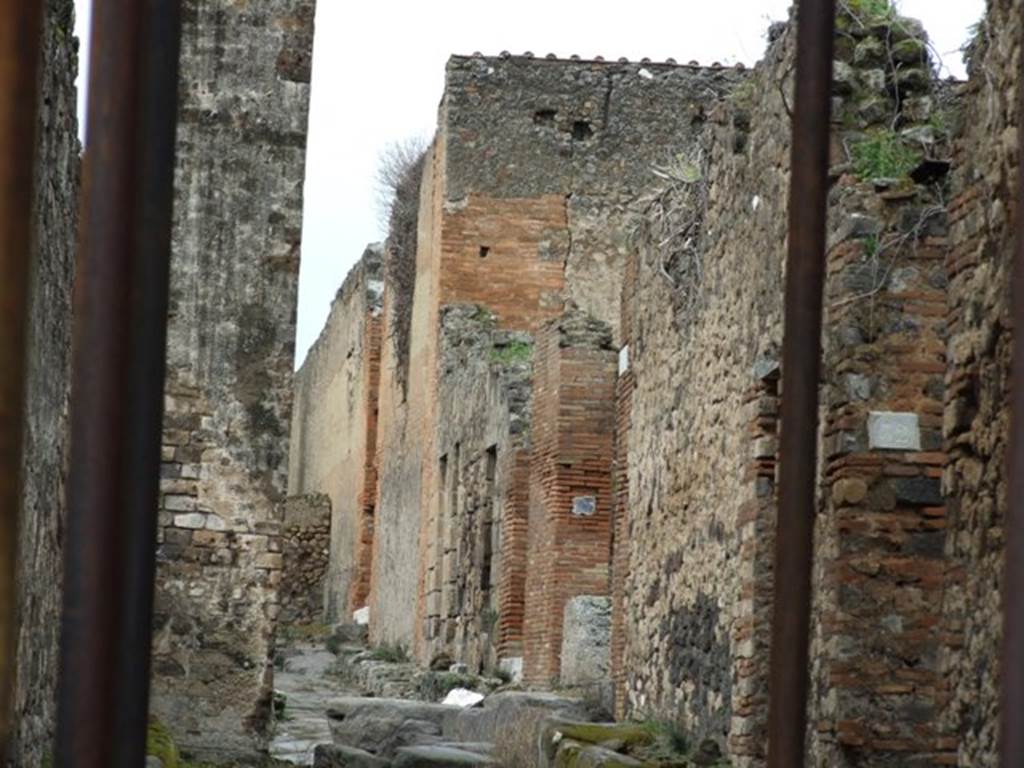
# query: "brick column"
359 593
570 490
881 536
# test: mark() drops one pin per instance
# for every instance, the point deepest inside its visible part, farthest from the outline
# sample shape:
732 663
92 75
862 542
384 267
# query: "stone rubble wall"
41 517
976 418
234 275
476 579
700 398
686 543
305 544
334 429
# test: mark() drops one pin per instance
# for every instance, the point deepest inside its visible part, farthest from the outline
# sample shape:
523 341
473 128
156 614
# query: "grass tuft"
883 154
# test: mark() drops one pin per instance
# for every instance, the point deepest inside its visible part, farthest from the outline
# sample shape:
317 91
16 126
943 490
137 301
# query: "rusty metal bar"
117 385
801 369
20 30
1012 669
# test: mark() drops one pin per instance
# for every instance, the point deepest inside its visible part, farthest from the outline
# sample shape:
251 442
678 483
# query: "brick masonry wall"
976 423
41 517
333 429
305 545
359 591
544 159
882 527
570 488
241 146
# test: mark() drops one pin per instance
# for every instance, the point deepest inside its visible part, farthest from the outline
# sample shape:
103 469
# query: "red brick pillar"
360 590
570 488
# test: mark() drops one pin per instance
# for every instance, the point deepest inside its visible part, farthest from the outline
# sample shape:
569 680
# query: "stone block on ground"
439 757
338 756
575 754
380 726
555 732
512 715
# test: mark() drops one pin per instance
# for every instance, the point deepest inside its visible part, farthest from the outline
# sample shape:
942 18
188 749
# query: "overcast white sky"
378 74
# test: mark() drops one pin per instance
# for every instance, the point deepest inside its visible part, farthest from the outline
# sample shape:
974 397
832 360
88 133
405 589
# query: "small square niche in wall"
891 431
485 251
584 506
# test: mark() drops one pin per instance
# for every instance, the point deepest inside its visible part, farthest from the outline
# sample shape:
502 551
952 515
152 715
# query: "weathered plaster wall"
333 430
976 424
402 433
244 96
49 343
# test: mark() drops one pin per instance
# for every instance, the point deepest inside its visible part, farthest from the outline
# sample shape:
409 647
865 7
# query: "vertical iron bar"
117 385
20 30
801 369
1012 670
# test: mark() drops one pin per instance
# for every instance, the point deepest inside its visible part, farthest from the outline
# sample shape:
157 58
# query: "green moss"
883 154
159 743
513 352
600 733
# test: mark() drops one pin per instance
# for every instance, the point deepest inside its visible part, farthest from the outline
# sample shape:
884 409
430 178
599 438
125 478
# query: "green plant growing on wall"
513 352
883 154
160 744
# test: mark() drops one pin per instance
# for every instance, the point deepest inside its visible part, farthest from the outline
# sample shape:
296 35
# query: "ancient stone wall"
702 323
881 532
976 424
569 545
523 200
334 429
305 545
241 146
475 579
396 607
703 420
41 517
882 524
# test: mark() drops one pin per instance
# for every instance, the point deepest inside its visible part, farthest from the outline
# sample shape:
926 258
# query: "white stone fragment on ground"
362 616
463 697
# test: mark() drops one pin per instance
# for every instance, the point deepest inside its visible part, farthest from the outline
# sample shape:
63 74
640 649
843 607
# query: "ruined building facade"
579 424
521 241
